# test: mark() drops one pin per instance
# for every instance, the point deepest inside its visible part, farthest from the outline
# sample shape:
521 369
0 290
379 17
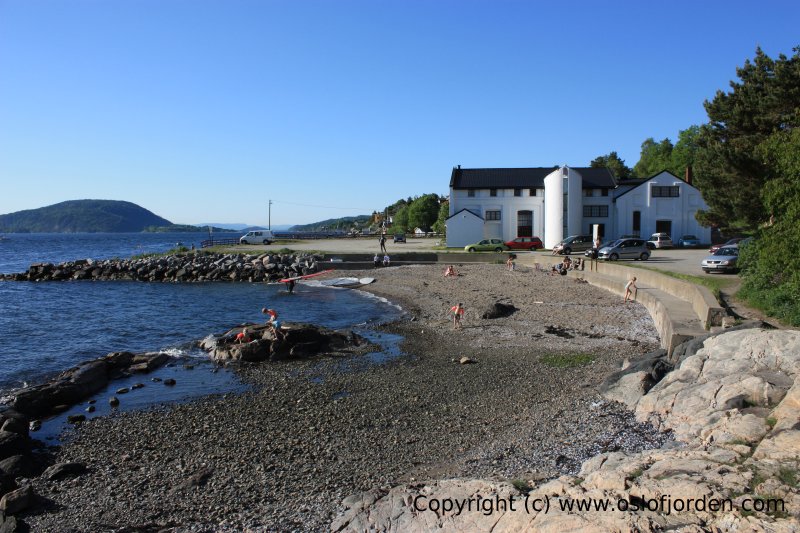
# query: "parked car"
625 249
723 260
526 243
574 243
399 237
729 242
588 253
257 237
689 241
487 245
659 240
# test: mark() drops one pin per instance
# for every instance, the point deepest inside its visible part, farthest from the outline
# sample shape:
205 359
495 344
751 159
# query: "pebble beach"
283 456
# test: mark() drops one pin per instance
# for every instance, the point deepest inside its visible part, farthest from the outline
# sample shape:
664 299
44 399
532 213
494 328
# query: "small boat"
346 283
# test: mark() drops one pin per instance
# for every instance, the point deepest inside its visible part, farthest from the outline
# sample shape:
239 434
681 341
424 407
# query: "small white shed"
463 228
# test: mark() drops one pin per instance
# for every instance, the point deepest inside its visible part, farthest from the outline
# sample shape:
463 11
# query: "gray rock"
12 444
18 466
63 470
17 500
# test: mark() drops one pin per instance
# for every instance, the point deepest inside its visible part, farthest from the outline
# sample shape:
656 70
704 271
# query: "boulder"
499 310
19 466
13 444
296 341
17 500
64 470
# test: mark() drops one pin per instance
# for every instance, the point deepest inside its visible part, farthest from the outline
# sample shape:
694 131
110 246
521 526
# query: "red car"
731 242
526 243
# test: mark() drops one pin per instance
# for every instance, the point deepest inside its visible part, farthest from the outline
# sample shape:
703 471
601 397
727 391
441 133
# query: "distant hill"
83 216
344 224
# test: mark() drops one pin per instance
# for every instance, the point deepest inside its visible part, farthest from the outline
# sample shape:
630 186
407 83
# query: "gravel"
283 456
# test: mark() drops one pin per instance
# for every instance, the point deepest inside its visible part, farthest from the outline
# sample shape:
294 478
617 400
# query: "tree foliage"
730 169
655 157
613 162
444 211
423 211
770 272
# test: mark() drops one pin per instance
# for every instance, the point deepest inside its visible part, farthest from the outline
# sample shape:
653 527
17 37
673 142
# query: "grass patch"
713 283
771 421
521 485
567 360
787 476
637 473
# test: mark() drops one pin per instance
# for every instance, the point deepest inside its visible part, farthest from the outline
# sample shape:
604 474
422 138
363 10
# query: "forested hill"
82 216
343 224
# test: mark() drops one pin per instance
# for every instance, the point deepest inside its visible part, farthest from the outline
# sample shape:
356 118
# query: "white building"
556 202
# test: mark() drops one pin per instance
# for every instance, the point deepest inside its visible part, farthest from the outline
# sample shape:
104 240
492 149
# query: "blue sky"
204 110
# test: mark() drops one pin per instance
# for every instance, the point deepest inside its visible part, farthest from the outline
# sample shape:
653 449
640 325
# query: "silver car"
723 260
625 249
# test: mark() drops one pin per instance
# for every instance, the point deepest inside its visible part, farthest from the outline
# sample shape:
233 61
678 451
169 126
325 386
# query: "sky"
204 111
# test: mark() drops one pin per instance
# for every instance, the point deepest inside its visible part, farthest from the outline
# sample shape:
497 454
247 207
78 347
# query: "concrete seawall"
680 310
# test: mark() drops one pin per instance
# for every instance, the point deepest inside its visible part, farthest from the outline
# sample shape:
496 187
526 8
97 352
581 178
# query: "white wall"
681 210
554 211
463 229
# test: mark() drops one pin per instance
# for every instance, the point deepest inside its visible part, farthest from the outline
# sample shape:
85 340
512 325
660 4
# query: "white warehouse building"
555 202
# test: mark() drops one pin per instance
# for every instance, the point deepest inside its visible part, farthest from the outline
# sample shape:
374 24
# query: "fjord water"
48 327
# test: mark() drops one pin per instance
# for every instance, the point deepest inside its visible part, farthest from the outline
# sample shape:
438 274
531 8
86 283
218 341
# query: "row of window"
657 191
538 192
595 211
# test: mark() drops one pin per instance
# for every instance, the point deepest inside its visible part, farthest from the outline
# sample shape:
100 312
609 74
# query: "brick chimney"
688 178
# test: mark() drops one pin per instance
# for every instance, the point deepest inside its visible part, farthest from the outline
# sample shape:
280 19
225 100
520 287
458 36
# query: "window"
531 192
517 192
604 192
588 192
492 215
595 210
471 193
637 221
670 191
492 192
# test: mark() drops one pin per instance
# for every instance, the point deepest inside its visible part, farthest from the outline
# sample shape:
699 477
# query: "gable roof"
641 182
461 211
511 178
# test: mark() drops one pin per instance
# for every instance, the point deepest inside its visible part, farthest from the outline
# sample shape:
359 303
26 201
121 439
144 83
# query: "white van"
257 237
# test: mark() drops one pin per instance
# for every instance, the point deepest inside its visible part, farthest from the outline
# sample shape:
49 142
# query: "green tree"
444 212
655 157
400 220
423 211
729 168
685 151
770 281
613 162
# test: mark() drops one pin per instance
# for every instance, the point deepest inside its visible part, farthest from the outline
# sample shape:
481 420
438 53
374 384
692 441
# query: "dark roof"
637 182
510 178
461 211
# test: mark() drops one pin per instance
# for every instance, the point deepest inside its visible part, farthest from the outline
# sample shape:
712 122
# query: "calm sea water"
48 327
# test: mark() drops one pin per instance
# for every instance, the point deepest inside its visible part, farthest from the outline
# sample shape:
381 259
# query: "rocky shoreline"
313 432
188 267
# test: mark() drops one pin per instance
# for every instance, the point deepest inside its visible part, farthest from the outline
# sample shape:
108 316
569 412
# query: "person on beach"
450 271
273 322
290 286
458 313
631 289
510 262
376 260
242 336
382 240
386 260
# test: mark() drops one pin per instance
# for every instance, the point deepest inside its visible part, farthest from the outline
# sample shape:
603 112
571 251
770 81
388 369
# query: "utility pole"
269 215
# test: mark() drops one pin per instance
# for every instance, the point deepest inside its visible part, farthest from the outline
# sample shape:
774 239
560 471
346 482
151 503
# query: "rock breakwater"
189 267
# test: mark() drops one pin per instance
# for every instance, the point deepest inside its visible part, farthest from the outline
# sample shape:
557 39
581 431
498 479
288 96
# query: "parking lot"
676 260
